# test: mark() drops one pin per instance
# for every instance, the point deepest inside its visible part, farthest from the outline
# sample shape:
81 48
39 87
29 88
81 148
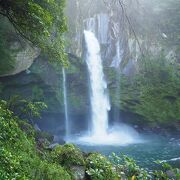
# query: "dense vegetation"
18 154
24 154
153 92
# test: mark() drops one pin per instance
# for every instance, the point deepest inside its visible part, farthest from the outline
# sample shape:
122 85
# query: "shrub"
128 167
167 172
49 171
67 155
100 168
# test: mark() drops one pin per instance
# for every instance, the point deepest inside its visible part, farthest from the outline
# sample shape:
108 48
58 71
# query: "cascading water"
118 58
99 25
67 125
100 133
99 98
116 63
103 26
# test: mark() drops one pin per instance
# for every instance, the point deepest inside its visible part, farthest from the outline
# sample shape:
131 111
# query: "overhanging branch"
130 24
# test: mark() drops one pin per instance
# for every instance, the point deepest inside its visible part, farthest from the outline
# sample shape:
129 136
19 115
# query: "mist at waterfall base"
100 133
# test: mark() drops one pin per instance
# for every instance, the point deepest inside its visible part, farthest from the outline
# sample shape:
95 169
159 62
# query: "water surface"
153 148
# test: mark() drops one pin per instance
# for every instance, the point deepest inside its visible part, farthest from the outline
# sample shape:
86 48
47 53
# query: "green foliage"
153 93
159 89
128 167
20 158
67 155
51 172
100 168
32 109
10 166
18 155
167 172
26 109
12 140
27 128
40 22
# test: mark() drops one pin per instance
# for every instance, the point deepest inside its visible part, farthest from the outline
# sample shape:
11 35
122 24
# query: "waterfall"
99 25
90 24
99 98
116 63
103 27
118 57
100 133
67 127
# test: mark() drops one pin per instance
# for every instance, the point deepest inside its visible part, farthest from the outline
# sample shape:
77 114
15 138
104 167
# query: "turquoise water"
153 148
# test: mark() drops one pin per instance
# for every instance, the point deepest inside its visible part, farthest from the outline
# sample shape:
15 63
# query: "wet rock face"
16 55
104 19
23 58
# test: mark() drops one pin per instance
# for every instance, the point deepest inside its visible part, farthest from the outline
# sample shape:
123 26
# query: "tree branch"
129 22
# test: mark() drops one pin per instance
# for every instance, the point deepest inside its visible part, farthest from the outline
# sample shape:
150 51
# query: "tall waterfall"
67 125
100 133
99 98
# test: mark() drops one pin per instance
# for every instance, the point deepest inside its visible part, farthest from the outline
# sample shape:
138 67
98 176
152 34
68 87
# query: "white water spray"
67 127
99 99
